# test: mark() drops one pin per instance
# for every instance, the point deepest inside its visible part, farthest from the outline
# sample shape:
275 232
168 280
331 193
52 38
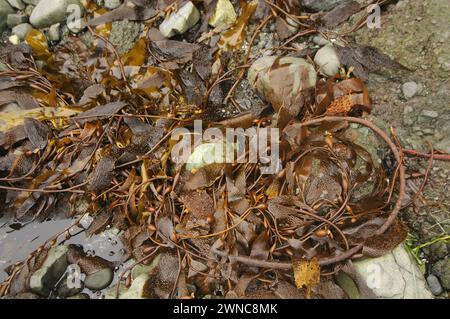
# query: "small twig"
72 189
440 157
425 178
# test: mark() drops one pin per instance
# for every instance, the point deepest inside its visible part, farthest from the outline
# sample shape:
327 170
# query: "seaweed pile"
96 137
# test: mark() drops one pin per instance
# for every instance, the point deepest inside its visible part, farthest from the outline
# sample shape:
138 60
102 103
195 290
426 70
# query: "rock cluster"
67 270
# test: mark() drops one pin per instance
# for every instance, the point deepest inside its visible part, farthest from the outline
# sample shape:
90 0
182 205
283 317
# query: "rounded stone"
441 269
280 80
327 60
435 285
49 12
22 30
409 89
99 280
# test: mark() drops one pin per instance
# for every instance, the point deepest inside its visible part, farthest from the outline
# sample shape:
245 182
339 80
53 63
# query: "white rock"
181 21
292 25
209 153
112 4
14 39
394 276
296 74
223 14
409 89
327 60
18 4
5 9
49 12
54 32
44 279
86 221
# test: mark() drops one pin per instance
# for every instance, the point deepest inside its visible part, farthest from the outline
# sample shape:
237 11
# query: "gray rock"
435 285
22 30
327 60
409 89
14 39
112 4
5 9
18 4
394 276
54 32
14 19
49 12
99 280
429 114
180 21
321 5
261 79
441 269
320 40
44 279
